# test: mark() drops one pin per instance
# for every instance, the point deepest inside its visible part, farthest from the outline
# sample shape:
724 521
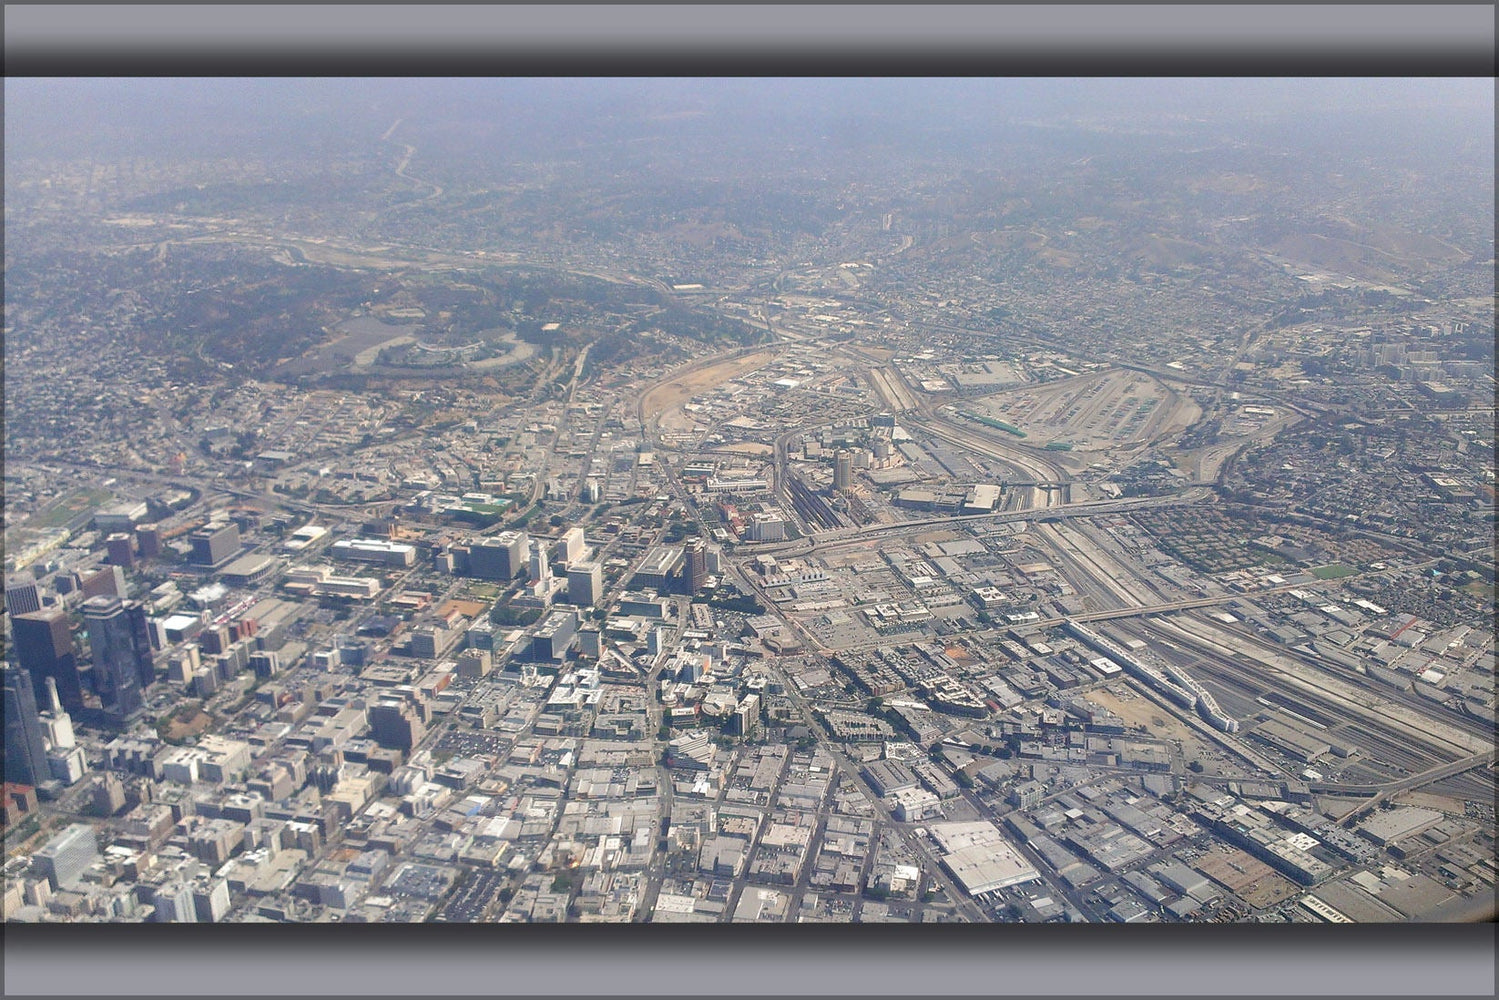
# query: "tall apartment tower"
25 746
22 595
843 469
747 715
44 648
123 667
697 565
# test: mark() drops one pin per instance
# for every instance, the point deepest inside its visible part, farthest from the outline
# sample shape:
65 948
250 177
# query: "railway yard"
1055 549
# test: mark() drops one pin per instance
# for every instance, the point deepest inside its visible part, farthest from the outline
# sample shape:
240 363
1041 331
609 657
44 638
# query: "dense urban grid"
539 501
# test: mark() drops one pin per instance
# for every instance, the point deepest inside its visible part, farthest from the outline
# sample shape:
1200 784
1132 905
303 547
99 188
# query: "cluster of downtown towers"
48 673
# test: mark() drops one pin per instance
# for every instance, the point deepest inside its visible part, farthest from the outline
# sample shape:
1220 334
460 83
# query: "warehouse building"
887 777
979 857
1292 740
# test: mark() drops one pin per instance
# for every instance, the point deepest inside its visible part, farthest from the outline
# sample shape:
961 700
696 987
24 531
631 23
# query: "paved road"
1384 791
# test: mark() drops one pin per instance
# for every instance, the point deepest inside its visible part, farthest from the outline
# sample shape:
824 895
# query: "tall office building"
659 569
766 528
25 748
396 724
148 538
174 904
214 639
554 637
210 899
44 648
121 549
106 794
121 642
67 856
267 663
499 557
475 663
697 565
571 546
106 581
214 544
585 583
22 595
843 469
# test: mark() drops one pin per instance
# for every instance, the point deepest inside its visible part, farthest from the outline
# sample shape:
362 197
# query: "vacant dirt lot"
746 448
182 727
1137 710
1251 880
676 391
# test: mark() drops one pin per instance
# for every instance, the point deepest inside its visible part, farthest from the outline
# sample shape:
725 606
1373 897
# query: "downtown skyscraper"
44 648
25 746
123 667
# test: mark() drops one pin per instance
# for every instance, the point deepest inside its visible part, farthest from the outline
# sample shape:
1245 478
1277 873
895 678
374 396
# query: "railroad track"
1342 699
810 507
1036 469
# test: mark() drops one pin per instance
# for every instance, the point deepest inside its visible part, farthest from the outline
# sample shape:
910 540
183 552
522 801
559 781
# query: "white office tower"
54 705
59 724
174 904
210 899
766 528
541 571
67 856
67 765
571 547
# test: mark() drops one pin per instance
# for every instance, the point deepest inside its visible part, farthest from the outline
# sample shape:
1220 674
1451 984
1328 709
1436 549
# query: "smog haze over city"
667 500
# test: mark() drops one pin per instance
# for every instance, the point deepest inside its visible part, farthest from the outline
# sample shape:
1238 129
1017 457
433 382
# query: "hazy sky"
134 116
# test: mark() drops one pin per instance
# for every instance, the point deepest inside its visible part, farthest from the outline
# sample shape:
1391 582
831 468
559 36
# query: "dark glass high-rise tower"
25 750
123 667
44 648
